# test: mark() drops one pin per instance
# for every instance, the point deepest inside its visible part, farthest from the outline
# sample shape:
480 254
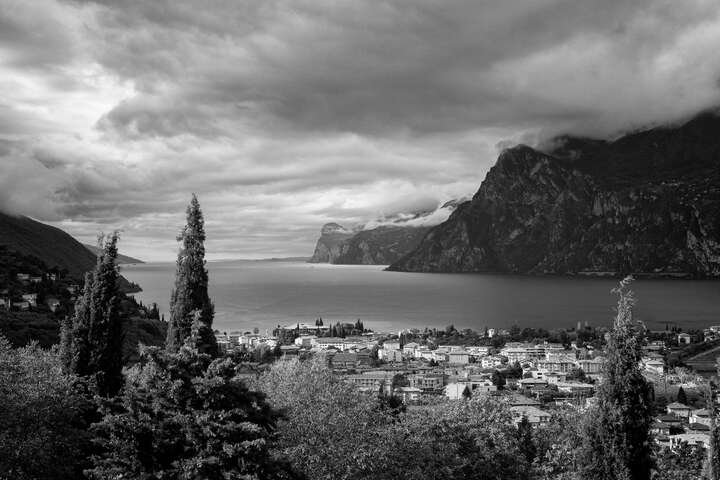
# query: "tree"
498 380
525 440
682 396
183 415
42 411
91 343
190 301
616 442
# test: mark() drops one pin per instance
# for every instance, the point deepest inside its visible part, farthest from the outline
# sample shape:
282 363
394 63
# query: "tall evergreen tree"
190 302
616 443
91 344
682 396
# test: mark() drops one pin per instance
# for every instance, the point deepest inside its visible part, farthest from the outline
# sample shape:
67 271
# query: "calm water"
265 294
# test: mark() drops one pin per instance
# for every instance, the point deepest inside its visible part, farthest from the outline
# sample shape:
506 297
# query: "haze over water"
265 294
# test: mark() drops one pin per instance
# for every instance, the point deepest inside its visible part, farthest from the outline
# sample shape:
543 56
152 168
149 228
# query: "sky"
285 115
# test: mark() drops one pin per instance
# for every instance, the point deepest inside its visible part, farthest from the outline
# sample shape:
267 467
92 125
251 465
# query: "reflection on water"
264 294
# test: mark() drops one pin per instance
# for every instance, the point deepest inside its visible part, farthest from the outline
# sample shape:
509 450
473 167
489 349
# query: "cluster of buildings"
683 424
27 299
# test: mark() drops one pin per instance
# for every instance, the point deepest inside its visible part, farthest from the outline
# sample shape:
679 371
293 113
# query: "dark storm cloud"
284 115
389 67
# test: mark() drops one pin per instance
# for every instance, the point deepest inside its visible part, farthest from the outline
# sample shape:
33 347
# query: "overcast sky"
285 115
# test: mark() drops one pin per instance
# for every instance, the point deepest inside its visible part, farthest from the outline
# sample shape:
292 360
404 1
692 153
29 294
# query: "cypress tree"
616 443
682 396
91 344
190 302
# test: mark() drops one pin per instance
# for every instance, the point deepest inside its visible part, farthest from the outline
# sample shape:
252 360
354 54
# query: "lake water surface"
264 294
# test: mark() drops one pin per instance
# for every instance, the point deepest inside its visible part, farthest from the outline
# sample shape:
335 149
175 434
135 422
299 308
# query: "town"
534 375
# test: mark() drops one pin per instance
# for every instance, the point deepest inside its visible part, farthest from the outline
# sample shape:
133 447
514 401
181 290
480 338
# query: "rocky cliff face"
379 246
328 245
647 203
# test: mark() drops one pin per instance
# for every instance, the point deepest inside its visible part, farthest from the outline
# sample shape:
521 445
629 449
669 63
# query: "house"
701 416
656 366
576 388
684 339
390 355
533 414
557 363
427 382
660 428
408 394
22 306
492 361
679 410
592 366
530 383
5 303
478 350
345 360
671 420
35 279
23 277
31 298
456 391
694 439
305 340
698 427
391 345
458 357
369 383
409 349
53 304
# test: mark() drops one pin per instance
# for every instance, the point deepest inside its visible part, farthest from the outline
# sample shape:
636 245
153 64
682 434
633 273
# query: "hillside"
51 245
121 260
381 241
645 203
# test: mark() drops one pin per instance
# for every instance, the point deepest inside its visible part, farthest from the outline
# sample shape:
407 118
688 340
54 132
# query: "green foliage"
333 431
21 328
92 343
42 434
526 441
556 443
683 463
183 415
616 441
190 302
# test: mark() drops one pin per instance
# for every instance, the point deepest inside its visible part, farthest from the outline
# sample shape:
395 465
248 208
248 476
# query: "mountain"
646 203
51 245
379 242
379 246
121 260
328 245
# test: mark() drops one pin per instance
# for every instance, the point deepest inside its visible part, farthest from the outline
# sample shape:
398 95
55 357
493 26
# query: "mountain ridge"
646 202
51 245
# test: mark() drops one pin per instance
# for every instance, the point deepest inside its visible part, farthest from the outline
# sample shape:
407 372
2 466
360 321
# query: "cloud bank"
283 116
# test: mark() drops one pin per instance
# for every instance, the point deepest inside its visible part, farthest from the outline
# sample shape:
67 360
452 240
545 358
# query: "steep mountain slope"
379 246
121 260
51 245
647 203
381 241
328 245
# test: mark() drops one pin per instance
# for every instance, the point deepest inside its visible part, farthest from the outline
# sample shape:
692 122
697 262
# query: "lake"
265 294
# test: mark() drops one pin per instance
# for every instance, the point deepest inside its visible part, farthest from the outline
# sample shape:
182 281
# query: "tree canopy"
189 302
